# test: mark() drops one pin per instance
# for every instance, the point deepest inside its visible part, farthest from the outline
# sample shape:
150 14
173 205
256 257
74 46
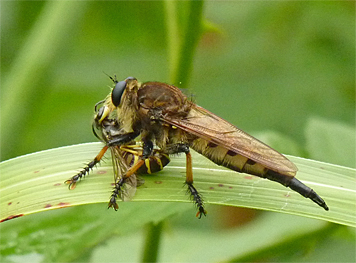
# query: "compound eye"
131 78
117 92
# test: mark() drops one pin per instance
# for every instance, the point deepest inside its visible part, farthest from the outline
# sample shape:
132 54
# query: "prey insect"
123 156
162 115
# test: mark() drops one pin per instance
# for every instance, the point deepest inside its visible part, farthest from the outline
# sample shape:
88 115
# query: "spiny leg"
177 148
73 181
147 150
193 192
118 188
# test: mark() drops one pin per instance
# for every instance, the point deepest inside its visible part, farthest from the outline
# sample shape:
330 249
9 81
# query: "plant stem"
181 50
152 242
173 33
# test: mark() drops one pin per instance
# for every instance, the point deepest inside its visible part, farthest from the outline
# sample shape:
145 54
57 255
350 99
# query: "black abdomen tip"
307 192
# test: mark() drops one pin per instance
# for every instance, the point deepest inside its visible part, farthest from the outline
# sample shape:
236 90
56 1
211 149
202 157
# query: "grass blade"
35 182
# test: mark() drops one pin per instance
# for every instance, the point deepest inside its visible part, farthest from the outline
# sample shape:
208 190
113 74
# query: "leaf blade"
35 182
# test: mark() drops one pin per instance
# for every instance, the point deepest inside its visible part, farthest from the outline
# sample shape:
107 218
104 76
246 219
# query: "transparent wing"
206 125
120 167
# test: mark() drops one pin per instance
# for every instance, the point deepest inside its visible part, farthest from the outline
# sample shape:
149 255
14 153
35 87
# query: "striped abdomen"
234 161
229 159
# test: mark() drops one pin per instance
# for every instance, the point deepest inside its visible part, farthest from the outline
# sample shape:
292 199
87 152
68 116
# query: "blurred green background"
262 66
283 71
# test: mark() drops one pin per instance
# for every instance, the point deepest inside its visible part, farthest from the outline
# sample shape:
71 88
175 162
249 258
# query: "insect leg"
72 182
147 150
119 184
177 148
296 185
193 192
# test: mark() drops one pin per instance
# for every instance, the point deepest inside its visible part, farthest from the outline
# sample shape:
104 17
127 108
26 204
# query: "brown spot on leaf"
62 204
11 217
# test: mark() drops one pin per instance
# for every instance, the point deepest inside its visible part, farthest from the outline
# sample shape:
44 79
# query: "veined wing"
216 130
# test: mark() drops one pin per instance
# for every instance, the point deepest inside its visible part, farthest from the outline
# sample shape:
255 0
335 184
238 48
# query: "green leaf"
268 233
35 182
70 235
331 141
307 246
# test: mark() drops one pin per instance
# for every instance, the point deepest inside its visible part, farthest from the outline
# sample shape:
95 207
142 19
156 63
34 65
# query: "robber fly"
123 156
162 115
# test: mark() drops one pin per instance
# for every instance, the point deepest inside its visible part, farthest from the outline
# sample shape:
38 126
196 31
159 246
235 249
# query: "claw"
72 183
113 204
201 212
